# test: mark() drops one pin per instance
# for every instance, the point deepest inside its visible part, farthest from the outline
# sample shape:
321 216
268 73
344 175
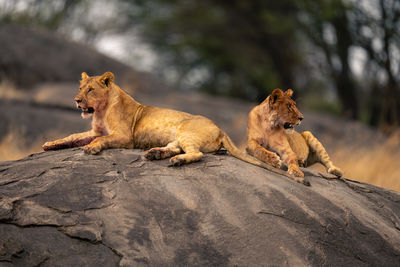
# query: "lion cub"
121 122
270 127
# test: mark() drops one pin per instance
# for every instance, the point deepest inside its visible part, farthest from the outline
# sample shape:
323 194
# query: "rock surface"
65 208
31 56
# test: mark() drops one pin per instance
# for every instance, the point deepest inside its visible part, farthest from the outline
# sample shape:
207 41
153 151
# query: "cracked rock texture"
65 208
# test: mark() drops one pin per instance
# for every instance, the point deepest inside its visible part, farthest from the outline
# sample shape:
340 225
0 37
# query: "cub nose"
301 118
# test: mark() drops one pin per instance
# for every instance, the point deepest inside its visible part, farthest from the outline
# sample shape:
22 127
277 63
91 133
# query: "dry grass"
9 91
13 147
378 165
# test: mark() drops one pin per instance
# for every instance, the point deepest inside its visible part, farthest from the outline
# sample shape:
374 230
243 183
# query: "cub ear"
106 78
289 92
84 76
275 95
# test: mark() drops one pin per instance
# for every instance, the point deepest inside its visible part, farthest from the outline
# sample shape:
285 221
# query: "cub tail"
234 151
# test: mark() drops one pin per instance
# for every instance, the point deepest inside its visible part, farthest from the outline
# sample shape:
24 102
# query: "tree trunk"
344 84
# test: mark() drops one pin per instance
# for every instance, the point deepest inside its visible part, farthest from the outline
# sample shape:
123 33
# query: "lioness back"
159 127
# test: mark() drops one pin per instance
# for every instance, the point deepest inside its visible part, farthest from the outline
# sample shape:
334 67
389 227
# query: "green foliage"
248 47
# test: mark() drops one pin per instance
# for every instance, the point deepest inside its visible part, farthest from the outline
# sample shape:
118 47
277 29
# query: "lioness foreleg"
74 140
262 154
289 158
168 151
108 141
321 154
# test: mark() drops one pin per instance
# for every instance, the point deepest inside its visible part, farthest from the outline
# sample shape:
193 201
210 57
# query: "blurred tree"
243 48
83 20
377 31
327 25
43 13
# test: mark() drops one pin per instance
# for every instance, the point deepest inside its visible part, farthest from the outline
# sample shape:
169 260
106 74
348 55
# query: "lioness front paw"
92 150
274 160
48 146
335 171
298 176
53 145
295 172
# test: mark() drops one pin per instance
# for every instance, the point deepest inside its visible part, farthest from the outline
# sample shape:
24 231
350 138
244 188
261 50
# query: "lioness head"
283 110
93 93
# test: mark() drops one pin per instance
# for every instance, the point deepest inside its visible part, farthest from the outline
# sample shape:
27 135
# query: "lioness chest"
273 141
157 127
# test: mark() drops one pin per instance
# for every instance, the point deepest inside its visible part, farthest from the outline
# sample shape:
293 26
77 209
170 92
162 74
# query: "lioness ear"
84 76
289 92
106 78
275 95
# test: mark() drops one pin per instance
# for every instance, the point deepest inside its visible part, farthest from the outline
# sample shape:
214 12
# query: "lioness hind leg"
168 151
191 149
189 157
320 153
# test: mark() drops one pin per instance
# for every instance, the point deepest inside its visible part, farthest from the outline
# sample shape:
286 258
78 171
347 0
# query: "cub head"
283 110
93 93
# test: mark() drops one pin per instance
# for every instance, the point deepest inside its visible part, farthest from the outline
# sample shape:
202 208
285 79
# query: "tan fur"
266 134
121 122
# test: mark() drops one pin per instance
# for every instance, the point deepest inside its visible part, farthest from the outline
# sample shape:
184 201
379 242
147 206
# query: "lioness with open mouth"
270 130
121 122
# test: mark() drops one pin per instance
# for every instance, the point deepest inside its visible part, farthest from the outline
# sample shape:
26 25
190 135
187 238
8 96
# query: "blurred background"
215 58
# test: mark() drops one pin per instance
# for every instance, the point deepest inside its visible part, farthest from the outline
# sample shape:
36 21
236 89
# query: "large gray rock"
65 208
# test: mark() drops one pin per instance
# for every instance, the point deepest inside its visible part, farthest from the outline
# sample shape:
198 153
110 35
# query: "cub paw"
335 171
176 161
91 150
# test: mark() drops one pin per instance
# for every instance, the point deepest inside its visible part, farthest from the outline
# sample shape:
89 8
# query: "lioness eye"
90 89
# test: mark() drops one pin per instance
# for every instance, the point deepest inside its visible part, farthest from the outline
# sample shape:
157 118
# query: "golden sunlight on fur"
118 121
270 130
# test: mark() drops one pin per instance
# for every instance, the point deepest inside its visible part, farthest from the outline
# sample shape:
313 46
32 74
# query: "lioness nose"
301 118
78 100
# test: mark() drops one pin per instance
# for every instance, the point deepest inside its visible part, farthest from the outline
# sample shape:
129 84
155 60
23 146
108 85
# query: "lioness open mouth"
89 110
288 125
